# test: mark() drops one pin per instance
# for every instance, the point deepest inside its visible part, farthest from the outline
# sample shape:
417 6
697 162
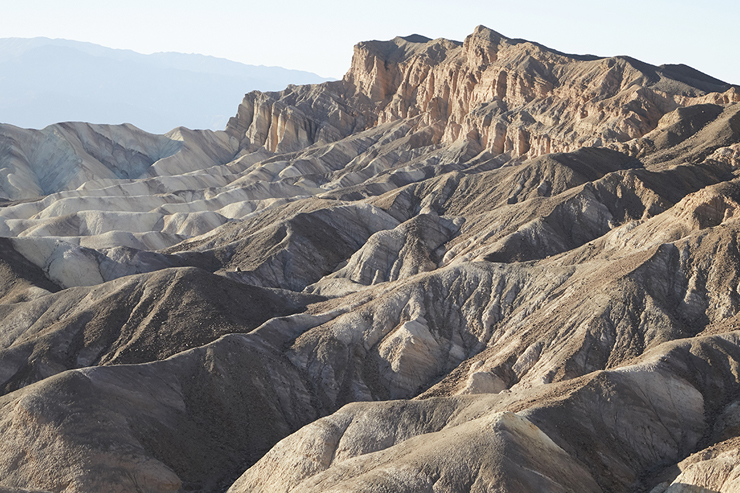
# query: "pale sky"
318 35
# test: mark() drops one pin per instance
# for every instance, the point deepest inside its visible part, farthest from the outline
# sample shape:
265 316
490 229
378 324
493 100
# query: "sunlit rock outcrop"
465 266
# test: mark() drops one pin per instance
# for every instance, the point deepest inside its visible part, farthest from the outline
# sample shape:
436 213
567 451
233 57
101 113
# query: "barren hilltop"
477 266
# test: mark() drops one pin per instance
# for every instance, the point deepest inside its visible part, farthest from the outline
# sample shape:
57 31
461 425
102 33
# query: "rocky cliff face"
502 96
464 267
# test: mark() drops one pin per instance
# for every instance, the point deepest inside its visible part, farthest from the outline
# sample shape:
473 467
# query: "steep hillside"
464 267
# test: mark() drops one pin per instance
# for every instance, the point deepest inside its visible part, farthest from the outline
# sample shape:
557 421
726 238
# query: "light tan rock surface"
441 443
502 95
529 258
499 450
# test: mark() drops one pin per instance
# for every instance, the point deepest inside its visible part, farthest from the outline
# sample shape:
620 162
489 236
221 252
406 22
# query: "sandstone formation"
477 266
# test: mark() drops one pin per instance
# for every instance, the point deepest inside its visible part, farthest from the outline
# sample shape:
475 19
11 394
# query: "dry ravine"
466 266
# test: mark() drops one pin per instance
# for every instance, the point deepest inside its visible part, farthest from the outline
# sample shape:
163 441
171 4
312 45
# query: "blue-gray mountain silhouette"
45 81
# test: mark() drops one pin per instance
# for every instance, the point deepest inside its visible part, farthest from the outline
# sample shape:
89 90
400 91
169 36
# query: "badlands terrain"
466 266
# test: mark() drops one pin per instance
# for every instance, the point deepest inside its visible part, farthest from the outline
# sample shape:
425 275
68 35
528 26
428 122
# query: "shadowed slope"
534 254
131 320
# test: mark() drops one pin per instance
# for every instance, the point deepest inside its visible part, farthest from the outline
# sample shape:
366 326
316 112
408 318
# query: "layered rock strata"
464 267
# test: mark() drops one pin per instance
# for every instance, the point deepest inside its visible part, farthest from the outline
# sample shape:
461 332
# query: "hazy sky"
318 35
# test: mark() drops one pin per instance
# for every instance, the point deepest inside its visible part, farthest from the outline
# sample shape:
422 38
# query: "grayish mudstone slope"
478 266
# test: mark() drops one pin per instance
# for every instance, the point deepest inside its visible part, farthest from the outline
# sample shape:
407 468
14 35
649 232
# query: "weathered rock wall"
504 95
517 97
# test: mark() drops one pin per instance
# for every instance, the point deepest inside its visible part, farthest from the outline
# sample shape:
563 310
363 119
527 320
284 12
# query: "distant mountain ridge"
466 266
45 81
